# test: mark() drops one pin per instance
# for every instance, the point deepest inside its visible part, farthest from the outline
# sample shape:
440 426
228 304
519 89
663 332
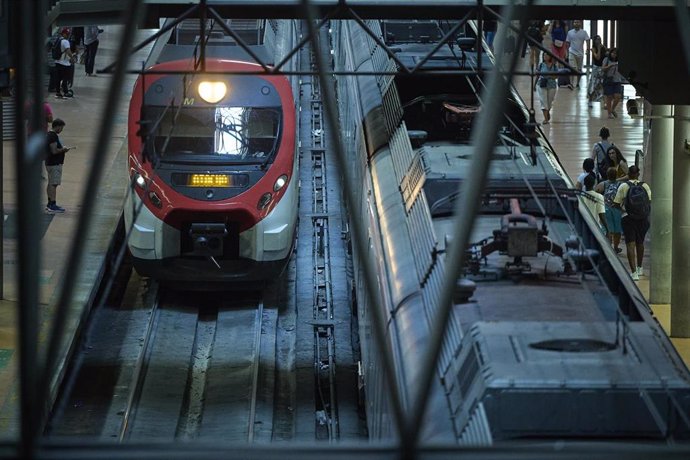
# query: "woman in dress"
595 89
558 39
546 86
613 82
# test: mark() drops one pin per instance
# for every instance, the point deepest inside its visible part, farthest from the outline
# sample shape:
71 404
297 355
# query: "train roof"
223 51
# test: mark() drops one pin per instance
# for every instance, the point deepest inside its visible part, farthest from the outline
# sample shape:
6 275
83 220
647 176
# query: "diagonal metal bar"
302 42
442 42
378 41
88 203
238 39
683 18
109 68
466 208
360 237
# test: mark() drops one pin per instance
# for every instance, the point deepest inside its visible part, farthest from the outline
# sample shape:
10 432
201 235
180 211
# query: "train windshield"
238 134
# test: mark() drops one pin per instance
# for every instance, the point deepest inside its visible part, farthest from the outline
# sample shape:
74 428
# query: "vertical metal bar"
202 34
27 164
496 94
2 208
91 191
683 18
358 229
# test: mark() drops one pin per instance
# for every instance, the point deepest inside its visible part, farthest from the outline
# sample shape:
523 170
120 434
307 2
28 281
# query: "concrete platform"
83 115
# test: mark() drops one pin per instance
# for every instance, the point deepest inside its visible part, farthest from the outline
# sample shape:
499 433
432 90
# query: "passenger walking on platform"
50 61
635 221
613 83
609 188
91 48
575 43
535 33
490 28
594 201
55 158
557 39
47 116
64 66
546 86
599 154
616 160
595 88
587 170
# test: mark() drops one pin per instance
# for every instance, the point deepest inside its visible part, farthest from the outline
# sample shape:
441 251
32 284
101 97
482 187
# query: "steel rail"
140 365
255 373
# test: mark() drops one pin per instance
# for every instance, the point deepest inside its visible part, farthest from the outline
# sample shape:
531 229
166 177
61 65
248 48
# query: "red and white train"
212 156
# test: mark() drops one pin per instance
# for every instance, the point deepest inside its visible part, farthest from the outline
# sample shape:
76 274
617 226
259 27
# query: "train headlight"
264 201
280 182
212 91
139 180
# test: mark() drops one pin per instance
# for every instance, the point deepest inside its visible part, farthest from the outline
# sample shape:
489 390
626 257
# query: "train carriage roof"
232 52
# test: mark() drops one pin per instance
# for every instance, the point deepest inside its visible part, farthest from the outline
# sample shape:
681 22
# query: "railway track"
189 366
276 365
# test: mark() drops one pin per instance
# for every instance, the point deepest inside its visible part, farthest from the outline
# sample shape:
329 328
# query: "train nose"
207 238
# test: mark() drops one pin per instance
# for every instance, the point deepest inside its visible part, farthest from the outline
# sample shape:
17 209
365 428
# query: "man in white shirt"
575 46
63 64
594 201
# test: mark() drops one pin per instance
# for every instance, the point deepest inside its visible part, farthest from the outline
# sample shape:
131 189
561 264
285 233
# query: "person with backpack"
63 64
609 188
634 197
599 154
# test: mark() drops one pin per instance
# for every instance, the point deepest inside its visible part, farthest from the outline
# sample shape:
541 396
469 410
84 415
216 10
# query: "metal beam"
79 12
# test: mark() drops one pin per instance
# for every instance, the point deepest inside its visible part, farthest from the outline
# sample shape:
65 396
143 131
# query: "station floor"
573 130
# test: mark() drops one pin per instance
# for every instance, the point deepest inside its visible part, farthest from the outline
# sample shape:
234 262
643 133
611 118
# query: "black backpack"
56 49
534 32
610 192
637 203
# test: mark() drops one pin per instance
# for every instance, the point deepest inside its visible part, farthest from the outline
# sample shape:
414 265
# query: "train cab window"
234 133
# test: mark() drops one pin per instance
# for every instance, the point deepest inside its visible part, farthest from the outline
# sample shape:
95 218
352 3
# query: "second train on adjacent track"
548 338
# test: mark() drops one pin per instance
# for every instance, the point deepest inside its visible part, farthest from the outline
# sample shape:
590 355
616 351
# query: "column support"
680 291
662 204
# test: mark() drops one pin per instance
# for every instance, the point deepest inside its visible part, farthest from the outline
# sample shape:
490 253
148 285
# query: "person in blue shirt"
546 86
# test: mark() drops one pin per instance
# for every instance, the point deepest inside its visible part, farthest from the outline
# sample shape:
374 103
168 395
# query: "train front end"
213 169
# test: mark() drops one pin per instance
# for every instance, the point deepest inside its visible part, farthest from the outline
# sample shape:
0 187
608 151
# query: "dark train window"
236 133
